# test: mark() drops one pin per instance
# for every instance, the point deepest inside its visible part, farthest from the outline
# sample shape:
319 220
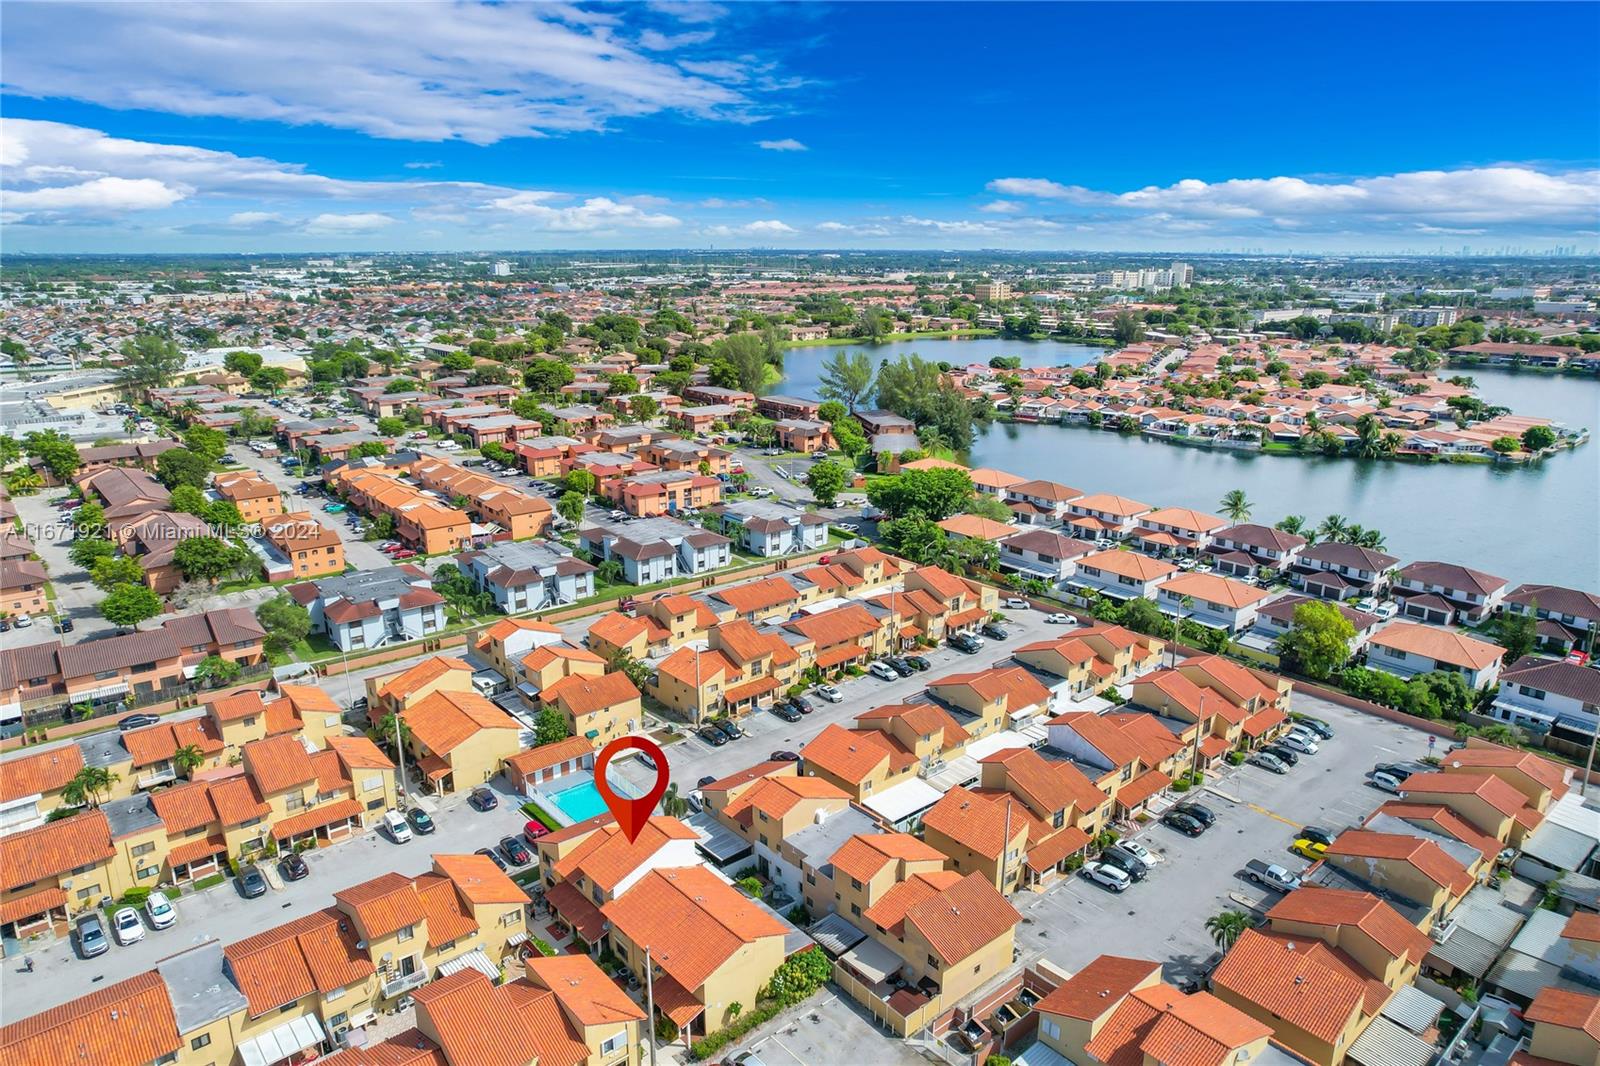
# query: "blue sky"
1139 127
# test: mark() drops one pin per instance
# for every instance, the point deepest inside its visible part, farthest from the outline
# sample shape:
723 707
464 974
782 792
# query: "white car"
1369 605
1017 603
127 926
1138 851
1058 617
1386 782
394 823
1387 610
1103 873
22 621
1299 742
883 670
159 909
830 693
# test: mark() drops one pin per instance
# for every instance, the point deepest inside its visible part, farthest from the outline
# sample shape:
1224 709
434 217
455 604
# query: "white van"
394 824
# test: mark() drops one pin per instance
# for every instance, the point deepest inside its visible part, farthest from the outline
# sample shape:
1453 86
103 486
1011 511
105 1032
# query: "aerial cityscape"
664 533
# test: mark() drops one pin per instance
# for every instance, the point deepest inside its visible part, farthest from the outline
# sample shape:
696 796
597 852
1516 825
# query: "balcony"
402 983
159 776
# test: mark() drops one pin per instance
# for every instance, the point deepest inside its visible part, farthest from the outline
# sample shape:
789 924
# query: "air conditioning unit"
1442 931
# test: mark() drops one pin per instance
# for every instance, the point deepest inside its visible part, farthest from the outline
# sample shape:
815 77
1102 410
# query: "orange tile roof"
584 694
532 760
849 756
584 990
278 763
507 626
618 628
1541 770
331 776
195 850
693 921
890 910
478 879
383 904
1486 786
1313 905
55 848
1441 645
1298 980
34 903
973 821
608 856
158 743
1440 819
427 671
444 719
1214 588
777 796
1098 987
925 719
1036 781
237 800
1015 685
963 918
40 773
477 1023
130 1023
574 908
1425 856
1566 1009
840 625
758 596
238 706
977 527
774 768
689 665
448 916
308 698
1583 925
290 961
1128 564
409 1048
316 818
1200 702
360 753
864 855
1142 788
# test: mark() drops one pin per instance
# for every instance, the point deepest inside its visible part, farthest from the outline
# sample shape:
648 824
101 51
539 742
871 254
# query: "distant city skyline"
1199 129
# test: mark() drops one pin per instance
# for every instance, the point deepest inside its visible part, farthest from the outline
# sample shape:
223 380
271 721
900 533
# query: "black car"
359 703
1136 870
1204 815
64 625
786 712
994 631
801 704
900 666
1183 822
137 721
1285 756
704 781
1401 770
1316 725
963 643
784 756
483 799
5 625
515 851
1318 835
726 727
251 883
420 821
918 662
493 856
293 867
711 736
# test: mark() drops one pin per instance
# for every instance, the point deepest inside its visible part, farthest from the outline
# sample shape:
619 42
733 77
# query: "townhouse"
1119 1010
863 762
988 701
662 492
24 588
1211 600
1241 550
1556 697
125 495
1566 1028
654 550
458 740
1275 619
492 502
1104 515
1176 531
768 529
1566 617
672 453
1121 575
1482 798
1130 757
742 668
397 692
371 608
505 643
1333 570
1040 503
301 547
804 435
765 811
257 498
1408 649
1408 870
528 575
848 635
597 706
421 521
1446 593
1090 658
861 868
153 540
1043 554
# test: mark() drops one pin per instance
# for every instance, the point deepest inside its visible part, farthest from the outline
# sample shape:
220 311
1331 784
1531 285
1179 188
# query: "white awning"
872 960
904 800
472 960
286 1041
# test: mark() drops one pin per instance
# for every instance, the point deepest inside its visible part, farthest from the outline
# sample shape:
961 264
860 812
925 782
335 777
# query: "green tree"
189 500
128 605
286 622
846 379
149 362
570 506
1143 616
933 494
1517 633
1318 641
1235 505
269 379
549 727
391 426
1334 527
202 558
746 355
89 520
182 467
1226 928
86 551
55 451
850 437
187 759
874 323
206 442
1538 438
89 785
1126 328
916 538
581 481
216 671
1505 445
826 480
110 572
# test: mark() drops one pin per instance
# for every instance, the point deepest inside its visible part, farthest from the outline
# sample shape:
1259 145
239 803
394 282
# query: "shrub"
1180 785
135 897
667 1031
537 813
1074 863
213 879
1236 758
544 947
751 886
799 915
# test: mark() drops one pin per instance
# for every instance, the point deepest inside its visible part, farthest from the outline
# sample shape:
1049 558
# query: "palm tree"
1369 538
87 786
1236 505
1294 525
1334 527
187 759
1369 437
1227 927
932 439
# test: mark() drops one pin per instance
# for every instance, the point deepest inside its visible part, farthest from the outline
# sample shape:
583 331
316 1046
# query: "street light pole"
650 1007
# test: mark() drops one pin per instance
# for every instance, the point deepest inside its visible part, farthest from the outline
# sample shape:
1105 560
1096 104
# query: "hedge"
207 882
538 814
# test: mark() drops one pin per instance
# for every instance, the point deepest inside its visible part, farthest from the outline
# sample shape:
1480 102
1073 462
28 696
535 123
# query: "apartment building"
654 550
371 608
527 576
1121 575
742 668
301 547
769 529
257 498
1446 593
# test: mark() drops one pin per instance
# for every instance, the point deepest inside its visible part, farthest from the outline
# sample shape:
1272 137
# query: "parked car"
1137 850
403 553
801 704
420 821
1107 876
515 851
159 909
1132 867
1204 815
127 927
1316 725
829 693
359 703
1183 822
1269 762
5 624
1058 617
1299 742
784 756
1387 610
726 727
899 665
1271 875
918 663
711 736
1017 603
883 670
533 829
23 621
293 867
695 800
252 884
483 799
1316 834
64 625
91 934
1307 848
704 781
137 721
994 631
1385 783
786 712
1401 770
494 857
394 824
1283 754
963 643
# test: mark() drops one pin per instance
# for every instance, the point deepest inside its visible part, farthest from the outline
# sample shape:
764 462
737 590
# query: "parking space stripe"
1291 823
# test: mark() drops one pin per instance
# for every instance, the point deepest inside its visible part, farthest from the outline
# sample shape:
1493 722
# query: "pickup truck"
1270 874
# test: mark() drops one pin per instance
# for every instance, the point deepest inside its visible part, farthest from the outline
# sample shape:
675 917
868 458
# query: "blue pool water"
580 801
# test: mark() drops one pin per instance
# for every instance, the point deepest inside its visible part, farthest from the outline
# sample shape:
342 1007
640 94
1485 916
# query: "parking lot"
1163 917
828 1029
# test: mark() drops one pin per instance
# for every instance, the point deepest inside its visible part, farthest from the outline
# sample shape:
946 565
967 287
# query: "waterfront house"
1334 570
1275 619
1550 696
1176 531
1044 554
1121 575
1566 617
1240 550
1216 601
1447 593
1408 649
1104 515
1040 503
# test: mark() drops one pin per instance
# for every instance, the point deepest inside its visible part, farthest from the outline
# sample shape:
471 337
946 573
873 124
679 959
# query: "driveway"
363 555
827 1028
221 913
72 593
1163 917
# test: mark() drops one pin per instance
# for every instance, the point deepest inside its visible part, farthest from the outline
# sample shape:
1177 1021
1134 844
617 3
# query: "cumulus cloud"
1001 207
336 225
96 197
593 214
788 144
425 164
487 71
719 203
767 227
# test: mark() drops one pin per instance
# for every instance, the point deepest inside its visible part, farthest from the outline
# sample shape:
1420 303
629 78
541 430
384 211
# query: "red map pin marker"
631 814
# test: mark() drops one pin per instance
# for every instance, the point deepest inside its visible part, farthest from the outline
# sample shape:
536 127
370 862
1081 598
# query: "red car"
403 553
533 831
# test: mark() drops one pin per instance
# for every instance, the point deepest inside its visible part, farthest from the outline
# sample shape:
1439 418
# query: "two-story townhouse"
1408 649
1043 554
301 547
599 708
598 1013
770 809
988 701
1276 618
1567 618
1040 503
1211 600
1104 515
372 608
769 529
1241 550
1121 575
863 762
528 575
257 498
459 739
1176 531
508 640
654 550
1446 593
1333 570
1404 866
394 693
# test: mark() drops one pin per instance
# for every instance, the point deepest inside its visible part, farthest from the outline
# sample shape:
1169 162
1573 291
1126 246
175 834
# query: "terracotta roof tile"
584 990
54 848
40 773
130 1023
1299 980
1098 987
692 919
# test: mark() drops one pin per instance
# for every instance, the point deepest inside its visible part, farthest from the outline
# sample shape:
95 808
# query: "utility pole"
1005 847
650 1007
400 754
1194 759
1588 767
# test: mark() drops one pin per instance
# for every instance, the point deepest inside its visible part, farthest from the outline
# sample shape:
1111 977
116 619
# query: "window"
933 963
406 934
294 801
1049 1026
145 872
855 909
512 917
143 849
86 892
203 1040
613 1042
338 1019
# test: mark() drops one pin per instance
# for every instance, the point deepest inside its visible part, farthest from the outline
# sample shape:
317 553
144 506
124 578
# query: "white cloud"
98 196
767 227
595 213
423 71
333 225
1042 188
788 144
254 218
432 164
1001 207
689 11
719 203
656 41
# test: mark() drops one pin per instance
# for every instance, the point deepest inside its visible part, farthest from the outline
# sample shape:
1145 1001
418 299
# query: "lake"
1536 523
